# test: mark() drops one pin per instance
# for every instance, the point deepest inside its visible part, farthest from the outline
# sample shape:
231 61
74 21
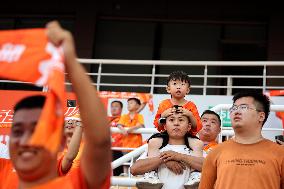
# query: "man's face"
210 126
177 88
177 125
245 115
115 109
30 162
132 105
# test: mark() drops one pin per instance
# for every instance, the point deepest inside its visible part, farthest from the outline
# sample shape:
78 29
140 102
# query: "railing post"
229 86
264 79
99 77
205 80
153 79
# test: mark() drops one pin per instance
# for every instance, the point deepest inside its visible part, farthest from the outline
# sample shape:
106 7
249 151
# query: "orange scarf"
26 55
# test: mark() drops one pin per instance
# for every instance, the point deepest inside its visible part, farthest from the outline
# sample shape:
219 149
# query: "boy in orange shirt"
131 121
35 165
178 85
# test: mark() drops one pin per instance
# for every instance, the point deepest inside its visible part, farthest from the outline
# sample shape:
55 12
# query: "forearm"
89 103
74 144
145 165
192 161
135 127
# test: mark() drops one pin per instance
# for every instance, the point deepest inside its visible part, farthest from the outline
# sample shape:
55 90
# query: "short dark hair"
117 101
135 99
212 113
30 102
179 75
262 101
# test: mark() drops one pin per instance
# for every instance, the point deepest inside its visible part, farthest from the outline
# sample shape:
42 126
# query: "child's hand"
185 112
124 131
175 167
170 155
168 112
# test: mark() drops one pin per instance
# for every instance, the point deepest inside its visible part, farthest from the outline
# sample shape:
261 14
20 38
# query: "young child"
178 85
169 153
132 121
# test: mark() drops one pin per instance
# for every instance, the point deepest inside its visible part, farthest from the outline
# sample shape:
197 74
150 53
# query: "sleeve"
209 172
162 107
78 181
59 165
121 120
195 113
140 119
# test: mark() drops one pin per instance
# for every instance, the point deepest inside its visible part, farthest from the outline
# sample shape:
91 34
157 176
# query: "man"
116 109
211 127
248 160
36 166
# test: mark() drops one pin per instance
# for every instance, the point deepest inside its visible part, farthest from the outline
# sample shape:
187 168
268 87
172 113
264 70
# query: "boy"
132 121
173 159
178 85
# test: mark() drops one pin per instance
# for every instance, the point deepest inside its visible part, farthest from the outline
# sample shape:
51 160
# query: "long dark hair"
165 136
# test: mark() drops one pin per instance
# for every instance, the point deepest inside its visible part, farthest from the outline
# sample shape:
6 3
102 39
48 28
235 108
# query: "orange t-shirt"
231 165
208 147
75 180
131 140
116 138
7 174
75 163
166 104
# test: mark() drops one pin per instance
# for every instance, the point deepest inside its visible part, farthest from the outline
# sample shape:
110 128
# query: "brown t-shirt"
232 165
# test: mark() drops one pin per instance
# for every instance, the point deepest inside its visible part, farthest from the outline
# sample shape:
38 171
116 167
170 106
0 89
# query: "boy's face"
115 109
178 89
30 162
132 105
177 125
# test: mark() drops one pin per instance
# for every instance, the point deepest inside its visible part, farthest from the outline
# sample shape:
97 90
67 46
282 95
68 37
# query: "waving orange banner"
26 55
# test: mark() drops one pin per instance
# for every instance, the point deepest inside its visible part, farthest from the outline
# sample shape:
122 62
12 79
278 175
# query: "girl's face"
177 125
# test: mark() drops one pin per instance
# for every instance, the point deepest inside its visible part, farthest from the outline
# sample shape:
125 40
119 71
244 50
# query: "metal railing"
129 181
205 76
150 78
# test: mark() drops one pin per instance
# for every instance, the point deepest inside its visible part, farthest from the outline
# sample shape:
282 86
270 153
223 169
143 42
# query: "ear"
188 90
189 126
165 128
168 89
261 116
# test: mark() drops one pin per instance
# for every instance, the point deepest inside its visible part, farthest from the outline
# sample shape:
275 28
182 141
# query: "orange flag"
26 55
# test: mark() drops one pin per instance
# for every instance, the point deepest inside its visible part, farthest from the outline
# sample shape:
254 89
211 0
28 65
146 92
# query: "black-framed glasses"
242 108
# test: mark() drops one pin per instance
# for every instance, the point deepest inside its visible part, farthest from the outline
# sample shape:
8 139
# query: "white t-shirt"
166 176
4 152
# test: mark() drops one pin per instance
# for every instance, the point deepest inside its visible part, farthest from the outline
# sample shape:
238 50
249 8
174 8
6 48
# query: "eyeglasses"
242 108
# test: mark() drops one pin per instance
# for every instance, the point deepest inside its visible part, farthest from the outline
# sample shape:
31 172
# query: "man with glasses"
248 160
